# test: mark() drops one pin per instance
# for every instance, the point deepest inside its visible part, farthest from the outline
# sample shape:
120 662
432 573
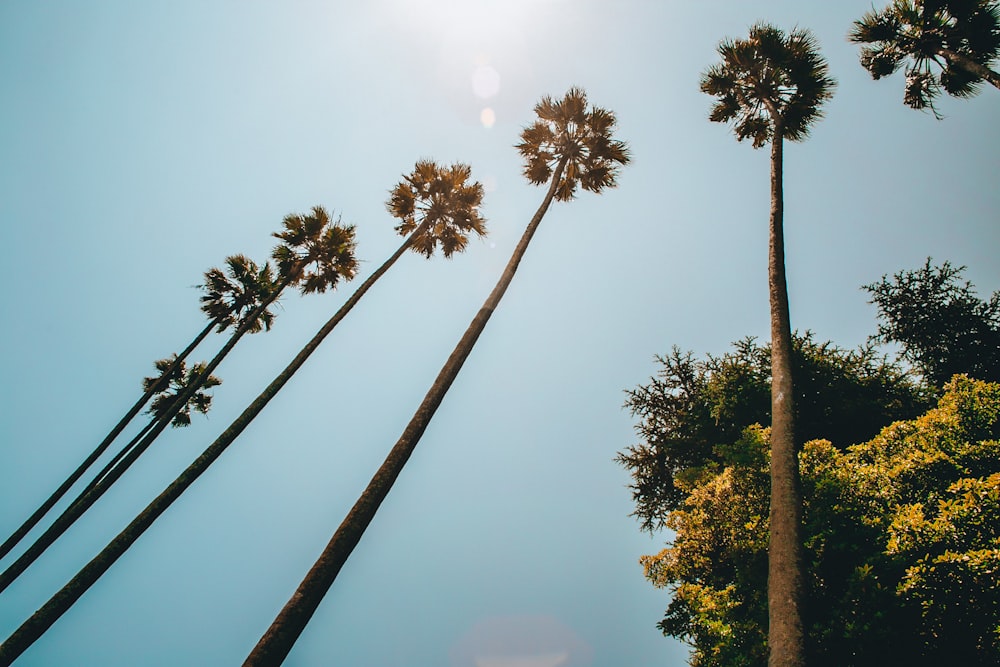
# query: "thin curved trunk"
68 516
970 65
58 604
86 500
44 508
275 644
785 563
122 453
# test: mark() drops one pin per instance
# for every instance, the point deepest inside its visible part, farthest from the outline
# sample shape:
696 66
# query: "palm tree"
316 254
771 86
227 300
436 206
178 379
567 146
945 44
232 296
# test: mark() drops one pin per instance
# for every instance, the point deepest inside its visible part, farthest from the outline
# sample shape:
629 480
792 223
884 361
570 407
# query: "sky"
142 143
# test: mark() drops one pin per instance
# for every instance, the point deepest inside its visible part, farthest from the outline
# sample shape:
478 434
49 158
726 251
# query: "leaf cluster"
316 252
693 412
769 85
231 296
921 36
941 325
176 383
902 537
438 205
570 133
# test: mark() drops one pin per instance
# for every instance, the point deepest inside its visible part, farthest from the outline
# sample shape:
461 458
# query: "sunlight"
488 117
474 52
485 81
474 18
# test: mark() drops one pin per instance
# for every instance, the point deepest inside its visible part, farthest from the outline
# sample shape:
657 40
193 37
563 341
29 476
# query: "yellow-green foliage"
902 536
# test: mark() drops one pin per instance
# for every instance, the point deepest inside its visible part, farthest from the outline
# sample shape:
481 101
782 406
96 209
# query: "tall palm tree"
771 86
228 299
317 252
568 146
945 45
436 206
178 379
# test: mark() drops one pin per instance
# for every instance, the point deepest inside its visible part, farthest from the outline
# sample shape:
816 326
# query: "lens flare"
488 117
485 81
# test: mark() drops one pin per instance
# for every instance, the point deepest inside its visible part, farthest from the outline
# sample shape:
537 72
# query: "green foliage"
568 130
941 325
175 384
692 413
317 252
769 80
902 537
922 35
232 296
438 206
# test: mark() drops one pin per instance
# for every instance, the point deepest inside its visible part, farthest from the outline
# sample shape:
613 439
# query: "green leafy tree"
230 298
940 324
570 145
437 206
316 254
771 86
692 413
946 45
902 534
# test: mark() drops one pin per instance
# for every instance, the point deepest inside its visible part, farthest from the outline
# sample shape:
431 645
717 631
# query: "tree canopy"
902 538
943 45
693 413
940 324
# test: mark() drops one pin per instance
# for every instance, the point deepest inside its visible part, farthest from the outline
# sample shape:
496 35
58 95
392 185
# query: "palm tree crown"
178 380
230 299
314 239
438 206
567 132
945 44
769 84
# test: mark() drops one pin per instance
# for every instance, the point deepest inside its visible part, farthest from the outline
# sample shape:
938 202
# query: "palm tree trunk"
970 65
94 492
785 577
122 453
275 644
62 523
44 508
58 604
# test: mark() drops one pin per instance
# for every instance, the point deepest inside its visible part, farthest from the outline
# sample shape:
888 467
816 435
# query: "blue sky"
142 143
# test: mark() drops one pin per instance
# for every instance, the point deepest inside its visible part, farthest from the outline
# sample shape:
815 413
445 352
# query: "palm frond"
567 129
182 378
317 251
768 80
233 295
934 39
438 207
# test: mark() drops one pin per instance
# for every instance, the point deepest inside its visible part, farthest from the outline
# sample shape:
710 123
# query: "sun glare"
473 51
485 81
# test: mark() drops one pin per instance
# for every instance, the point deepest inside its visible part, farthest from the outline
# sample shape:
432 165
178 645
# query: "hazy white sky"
142 143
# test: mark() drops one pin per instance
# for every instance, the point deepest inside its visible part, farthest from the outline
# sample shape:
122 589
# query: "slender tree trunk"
275 644
58 604
785 563
99 477
44 508
971 66
86 500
